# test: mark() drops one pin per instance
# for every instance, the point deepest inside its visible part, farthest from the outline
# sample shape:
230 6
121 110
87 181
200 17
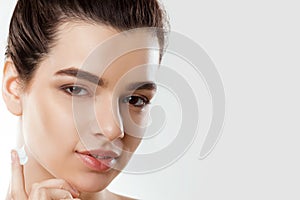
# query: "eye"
136 101
74 90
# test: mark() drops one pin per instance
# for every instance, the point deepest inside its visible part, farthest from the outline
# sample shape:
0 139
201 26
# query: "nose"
108 117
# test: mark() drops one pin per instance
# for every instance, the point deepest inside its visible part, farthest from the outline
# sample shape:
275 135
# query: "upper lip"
100 153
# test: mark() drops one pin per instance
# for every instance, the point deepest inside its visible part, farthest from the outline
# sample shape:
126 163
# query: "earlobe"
11 88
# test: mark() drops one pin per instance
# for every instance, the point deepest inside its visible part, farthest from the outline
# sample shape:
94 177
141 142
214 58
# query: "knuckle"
35 186
13 195
43 192
67 195
61 183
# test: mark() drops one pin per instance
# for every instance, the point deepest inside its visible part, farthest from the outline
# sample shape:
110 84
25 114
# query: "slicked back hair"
34 25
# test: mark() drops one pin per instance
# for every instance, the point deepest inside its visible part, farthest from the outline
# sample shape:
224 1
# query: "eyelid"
144 97
66 86
146 100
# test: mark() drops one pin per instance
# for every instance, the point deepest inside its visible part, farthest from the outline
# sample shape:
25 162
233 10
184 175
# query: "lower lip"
96 164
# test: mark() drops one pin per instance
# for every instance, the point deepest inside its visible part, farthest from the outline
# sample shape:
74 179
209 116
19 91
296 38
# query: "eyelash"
68 89
145 100
142 100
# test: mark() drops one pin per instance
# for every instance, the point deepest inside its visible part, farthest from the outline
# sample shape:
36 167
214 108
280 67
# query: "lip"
98 160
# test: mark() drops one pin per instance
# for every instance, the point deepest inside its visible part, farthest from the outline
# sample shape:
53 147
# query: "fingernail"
13 156
75 191
76 194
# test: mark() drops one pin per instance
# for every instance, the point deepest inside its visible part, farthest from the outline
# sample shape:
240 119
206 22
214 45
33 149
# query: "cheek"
131 143
135 124
48 127
135 121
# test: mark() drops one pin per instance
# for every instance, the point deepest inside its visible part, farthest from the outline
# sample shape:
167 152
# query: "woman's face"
57 141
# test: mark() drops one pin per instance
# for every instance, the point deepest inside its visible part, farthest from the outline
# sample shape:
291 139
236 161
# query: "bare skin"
52 188
48 132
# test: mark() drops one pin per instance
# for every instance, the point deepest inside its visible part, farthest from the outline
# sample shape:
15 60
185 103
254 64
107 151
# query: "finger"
55 184
59 194
17 178
40 194
44 193
72 199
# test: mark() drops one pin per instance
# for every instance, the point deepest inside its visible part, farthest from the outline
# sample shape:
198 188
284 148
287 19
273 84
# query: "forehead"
80 43
77 41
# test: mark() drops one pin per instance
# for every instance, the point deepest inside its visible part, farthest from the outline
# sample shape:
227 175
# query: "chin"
92 183
91 188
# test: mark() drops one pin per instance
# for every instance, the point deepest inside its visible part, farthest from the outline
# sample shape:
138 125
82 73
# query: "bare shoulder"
115 196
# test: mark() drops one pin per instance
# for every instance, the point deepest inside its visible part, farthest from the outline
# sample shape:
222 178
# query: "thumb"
17 178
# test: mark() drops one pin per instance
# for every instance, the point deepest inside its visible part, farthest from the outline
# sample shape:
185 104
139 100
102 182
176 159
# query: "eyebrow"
142 86
81 74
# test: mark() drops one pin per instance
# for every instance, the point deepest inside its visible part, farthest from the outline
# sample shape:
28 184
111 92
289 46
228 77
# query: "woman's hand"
51 189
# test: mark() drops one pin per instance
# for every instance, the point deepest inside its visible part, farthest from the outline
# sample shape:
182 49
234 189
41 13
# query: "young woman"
49 42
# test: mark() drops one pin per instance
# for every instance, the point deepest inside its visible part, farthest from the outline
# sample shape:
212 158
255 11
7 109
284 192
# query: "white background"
255 46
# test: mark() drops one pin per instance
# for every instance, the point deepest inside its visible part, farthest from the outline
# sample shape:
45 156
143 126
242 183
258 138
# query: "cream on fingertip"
22 155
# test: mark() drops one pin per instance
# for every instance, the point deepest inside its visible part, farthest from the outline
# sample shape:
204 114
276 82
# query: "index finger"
17 185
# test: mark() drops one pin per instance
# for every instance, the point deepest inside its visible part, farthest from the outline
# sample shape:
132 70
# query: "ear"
11 88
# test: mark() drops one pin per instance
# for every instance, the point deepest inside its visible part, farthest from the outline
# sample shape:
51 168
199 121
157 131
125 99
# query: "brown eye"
76 90
136 101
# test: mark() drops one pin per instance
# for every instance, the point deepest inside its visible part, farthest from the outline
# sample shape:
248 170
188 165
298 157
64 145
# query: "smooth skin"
48 132
46 190
49 189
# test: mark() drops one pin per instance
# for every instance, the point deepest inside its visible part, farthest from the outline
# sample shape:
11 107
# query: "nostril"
99 135
109 135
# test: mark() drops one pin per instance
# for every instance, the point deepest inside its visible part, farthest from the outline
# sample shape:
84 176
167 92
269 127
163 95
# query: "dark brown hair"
35 23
